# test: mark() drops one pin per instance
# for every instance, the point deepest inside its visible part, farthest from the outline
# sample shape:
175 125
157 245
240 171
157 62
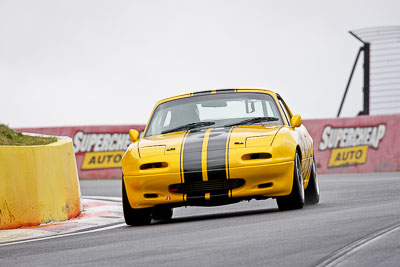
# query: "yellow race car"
218 147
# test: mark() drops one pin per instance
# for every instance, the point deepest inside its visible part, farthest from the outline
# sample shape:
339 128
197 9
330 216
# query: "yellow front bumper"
269 180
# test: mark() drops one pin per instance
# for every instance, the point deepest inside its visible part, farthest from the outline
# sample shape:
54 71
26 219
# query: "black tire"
312 191
134 217
296 198
162 213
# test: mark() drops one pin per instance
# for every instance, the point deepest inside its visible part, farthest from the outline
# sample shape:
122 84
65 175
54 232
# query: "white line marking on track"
118 199
65 235
335 258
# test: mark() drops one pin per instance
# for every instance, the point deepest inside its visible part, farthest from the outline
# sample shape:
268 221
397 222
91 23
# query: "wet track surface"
357 223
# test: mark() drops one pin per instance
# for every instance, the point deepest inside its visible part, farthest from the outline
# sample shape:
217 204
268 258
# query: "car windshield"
216 110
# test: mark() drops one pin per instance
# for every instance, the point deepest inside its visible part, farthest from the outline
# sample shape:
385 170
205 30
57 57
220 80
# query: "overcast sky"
108 62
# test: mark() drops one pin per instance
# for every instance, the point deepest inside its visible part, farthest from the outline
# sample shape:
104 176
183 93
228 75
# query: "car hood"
236 137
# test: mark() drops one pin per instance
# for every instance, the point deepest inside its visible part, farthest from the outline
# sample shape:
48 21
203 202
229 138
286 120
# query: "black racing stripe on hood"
216 158
191 159
191 165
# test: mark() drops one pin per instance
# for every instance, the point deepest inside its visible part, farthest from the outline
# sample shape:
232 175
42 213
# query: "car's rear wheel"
296 198
312 191
134 216
162 213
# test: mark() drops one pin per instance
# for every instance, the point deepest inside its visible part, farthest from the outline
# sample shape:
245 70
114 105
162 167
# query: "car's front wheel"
296 198
312 191
134 216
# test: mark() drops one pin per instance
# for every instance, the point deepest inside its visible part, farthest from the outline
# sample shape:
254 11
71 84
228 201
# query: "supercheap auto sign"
101 150
359 144
349 145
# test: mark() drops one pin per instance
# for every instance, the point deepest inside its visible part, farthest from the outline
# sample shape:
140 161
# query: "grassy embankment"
9 137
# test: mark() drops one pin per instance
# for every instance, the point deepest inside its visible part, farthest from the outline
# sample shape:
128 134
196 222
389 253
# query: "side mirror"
296 120
133 135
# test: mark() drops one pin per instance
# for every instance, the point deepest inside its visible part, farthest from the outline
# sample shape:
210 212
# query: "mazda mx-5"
214 148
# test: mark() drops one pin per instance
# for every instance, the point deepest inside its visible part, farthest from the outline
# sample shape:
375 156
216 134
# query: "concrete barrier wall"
38 184
356 145
98 149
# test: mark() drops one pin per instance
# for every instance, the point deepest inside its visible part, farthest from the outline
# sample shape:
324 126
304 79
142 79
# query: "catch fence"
381 89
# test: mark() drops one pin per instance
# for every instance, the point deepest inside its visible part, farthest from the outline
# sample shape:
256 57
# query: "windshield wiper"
189 126
252 120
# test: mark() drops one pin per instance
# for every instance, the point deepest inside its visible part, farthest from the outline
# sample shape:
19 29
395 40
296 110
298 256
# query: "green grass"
9 137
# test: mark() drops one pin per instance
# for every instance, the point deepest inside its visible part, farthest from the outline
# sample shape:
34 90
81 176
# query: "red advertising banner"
356 145
345 145
98 149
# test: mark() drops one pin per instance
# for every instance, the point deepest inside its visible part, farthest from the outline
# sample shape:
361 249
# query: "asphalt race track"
357 223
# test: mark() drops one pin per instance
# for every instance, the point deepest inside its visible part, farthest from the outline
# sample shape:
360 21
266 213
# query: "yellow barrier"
38 184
